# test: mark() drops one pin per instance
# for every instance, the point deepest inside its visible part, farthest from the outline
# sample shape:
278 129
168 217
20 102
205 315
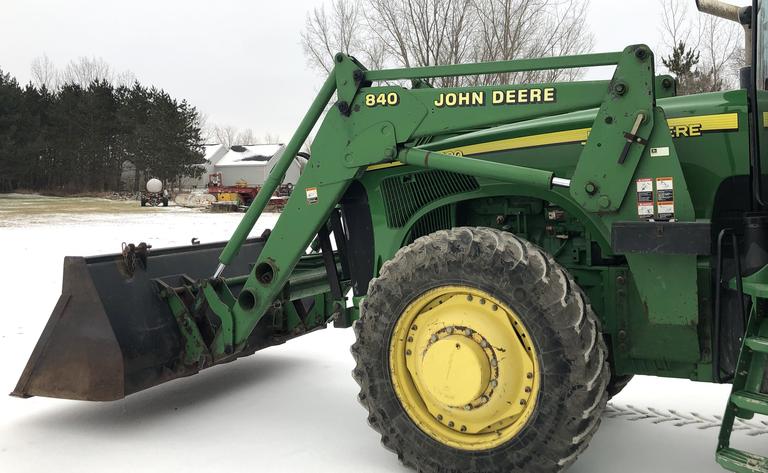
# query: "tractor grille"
405 195
437 219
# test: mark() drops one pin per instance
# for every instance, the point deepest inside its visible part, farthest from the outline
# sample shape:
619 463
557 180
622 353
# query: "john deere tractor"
509 255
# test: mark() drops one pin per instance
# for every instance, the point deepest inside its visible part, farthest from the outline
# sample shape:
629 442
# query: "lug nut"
469 298
529 376
408 352
468 332
463 428
484 344
451 424
439 417
468 407
494 307
494 363
523 402
528 390
494 383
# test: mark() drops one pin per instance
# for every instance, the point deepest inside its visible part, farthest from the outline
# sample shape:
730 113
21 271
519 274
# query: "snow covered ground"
286 409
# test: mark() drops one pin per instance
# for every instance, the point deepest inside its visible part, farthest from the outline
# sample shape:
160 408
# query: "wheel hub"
457 371
464 367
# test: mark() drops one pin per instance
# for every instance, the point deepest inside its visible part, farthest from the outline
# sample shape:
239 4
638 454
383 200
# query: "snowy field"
286 409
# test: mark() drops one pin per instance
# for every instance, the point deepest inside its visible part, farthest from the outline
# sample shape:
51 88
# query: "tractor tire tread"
569 410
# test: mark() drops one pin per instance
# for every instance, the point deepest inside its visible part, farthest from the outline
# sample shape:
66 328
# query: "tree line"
82 137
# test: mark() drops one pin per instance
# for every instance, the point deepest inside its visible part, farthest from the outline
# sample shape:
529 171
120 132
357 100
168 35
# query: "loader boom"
375 126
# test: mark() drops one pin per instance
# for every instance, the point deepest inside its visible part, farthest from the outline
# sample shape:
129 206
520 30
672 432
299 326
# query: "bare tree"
329 32
226 135
514 29
245 137
271 138
84 71
717 43
44 73
124 78
412 33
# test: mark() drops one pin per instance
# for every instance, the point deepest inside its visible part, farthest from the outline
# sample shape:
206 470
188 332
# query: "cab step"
741 462
747 397
752 402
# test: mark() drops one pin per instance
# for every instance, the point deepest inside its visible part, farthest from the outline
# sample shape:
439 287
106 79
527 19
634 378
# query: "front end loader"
509 255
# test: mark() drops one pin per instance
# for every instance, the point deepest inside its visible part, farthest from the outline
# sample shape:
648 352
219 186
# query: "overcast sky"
239 61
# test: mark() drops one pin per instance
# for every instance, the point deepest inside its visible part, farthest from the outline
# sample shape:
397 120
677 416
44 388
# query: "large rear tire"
433 358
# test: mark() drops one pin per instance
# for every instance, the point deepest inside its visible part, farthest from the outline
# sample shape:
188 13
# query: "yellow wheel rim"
464 368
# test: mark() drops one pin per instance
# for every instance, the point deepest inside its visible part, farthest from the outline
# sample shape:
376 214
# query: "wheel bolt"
482 301
414 328
523 402
468 407
410 339
469 298
449 330
451 424
468 332
494 383
484 344
433 338
528 390
439 417
408 352
494 363
494 307
463 428
529 376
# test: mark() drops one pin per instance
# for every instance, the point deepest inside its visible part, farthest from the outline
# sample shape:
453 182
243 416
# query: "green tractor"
510 256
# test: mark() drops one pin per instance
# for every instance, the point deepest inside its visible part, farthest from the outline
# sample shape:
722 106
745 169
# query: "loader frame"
375 124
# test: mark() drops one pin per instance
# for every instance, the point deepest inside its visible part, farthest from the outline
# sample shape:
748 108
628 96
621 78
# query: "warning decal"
645 210
665 198
311 195
645 198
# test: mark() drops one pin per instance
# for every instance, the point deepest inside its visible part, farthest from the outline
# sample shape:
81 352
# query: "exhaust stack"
741 15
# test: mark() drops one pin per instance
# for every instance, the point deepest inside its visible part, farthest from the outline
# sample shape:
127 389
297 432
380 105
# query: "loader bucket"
110 334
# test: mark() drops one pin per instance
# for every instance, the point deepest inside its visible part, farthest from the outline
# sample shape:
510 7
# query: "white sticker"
666 208
659 152
645 185
645 209
311 195
664 183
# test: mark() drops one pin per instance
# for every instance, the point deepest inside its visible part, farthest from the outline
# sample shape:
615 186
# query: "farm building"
213 153
252 164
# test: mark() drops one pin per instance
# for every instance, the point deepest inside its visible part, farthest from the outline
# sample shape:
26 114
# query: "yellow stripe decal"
721 122
703 123
559 137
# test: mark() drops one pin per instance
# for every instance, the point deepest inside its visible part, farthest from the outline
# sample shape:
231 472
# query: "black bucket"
110 334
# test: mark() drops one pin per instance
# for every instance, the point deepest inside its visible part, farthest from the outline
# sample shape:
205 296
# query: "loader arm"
375 126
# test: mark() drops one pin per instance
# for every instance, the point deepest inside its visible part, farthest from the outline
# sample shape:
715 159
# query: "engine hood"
575 127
